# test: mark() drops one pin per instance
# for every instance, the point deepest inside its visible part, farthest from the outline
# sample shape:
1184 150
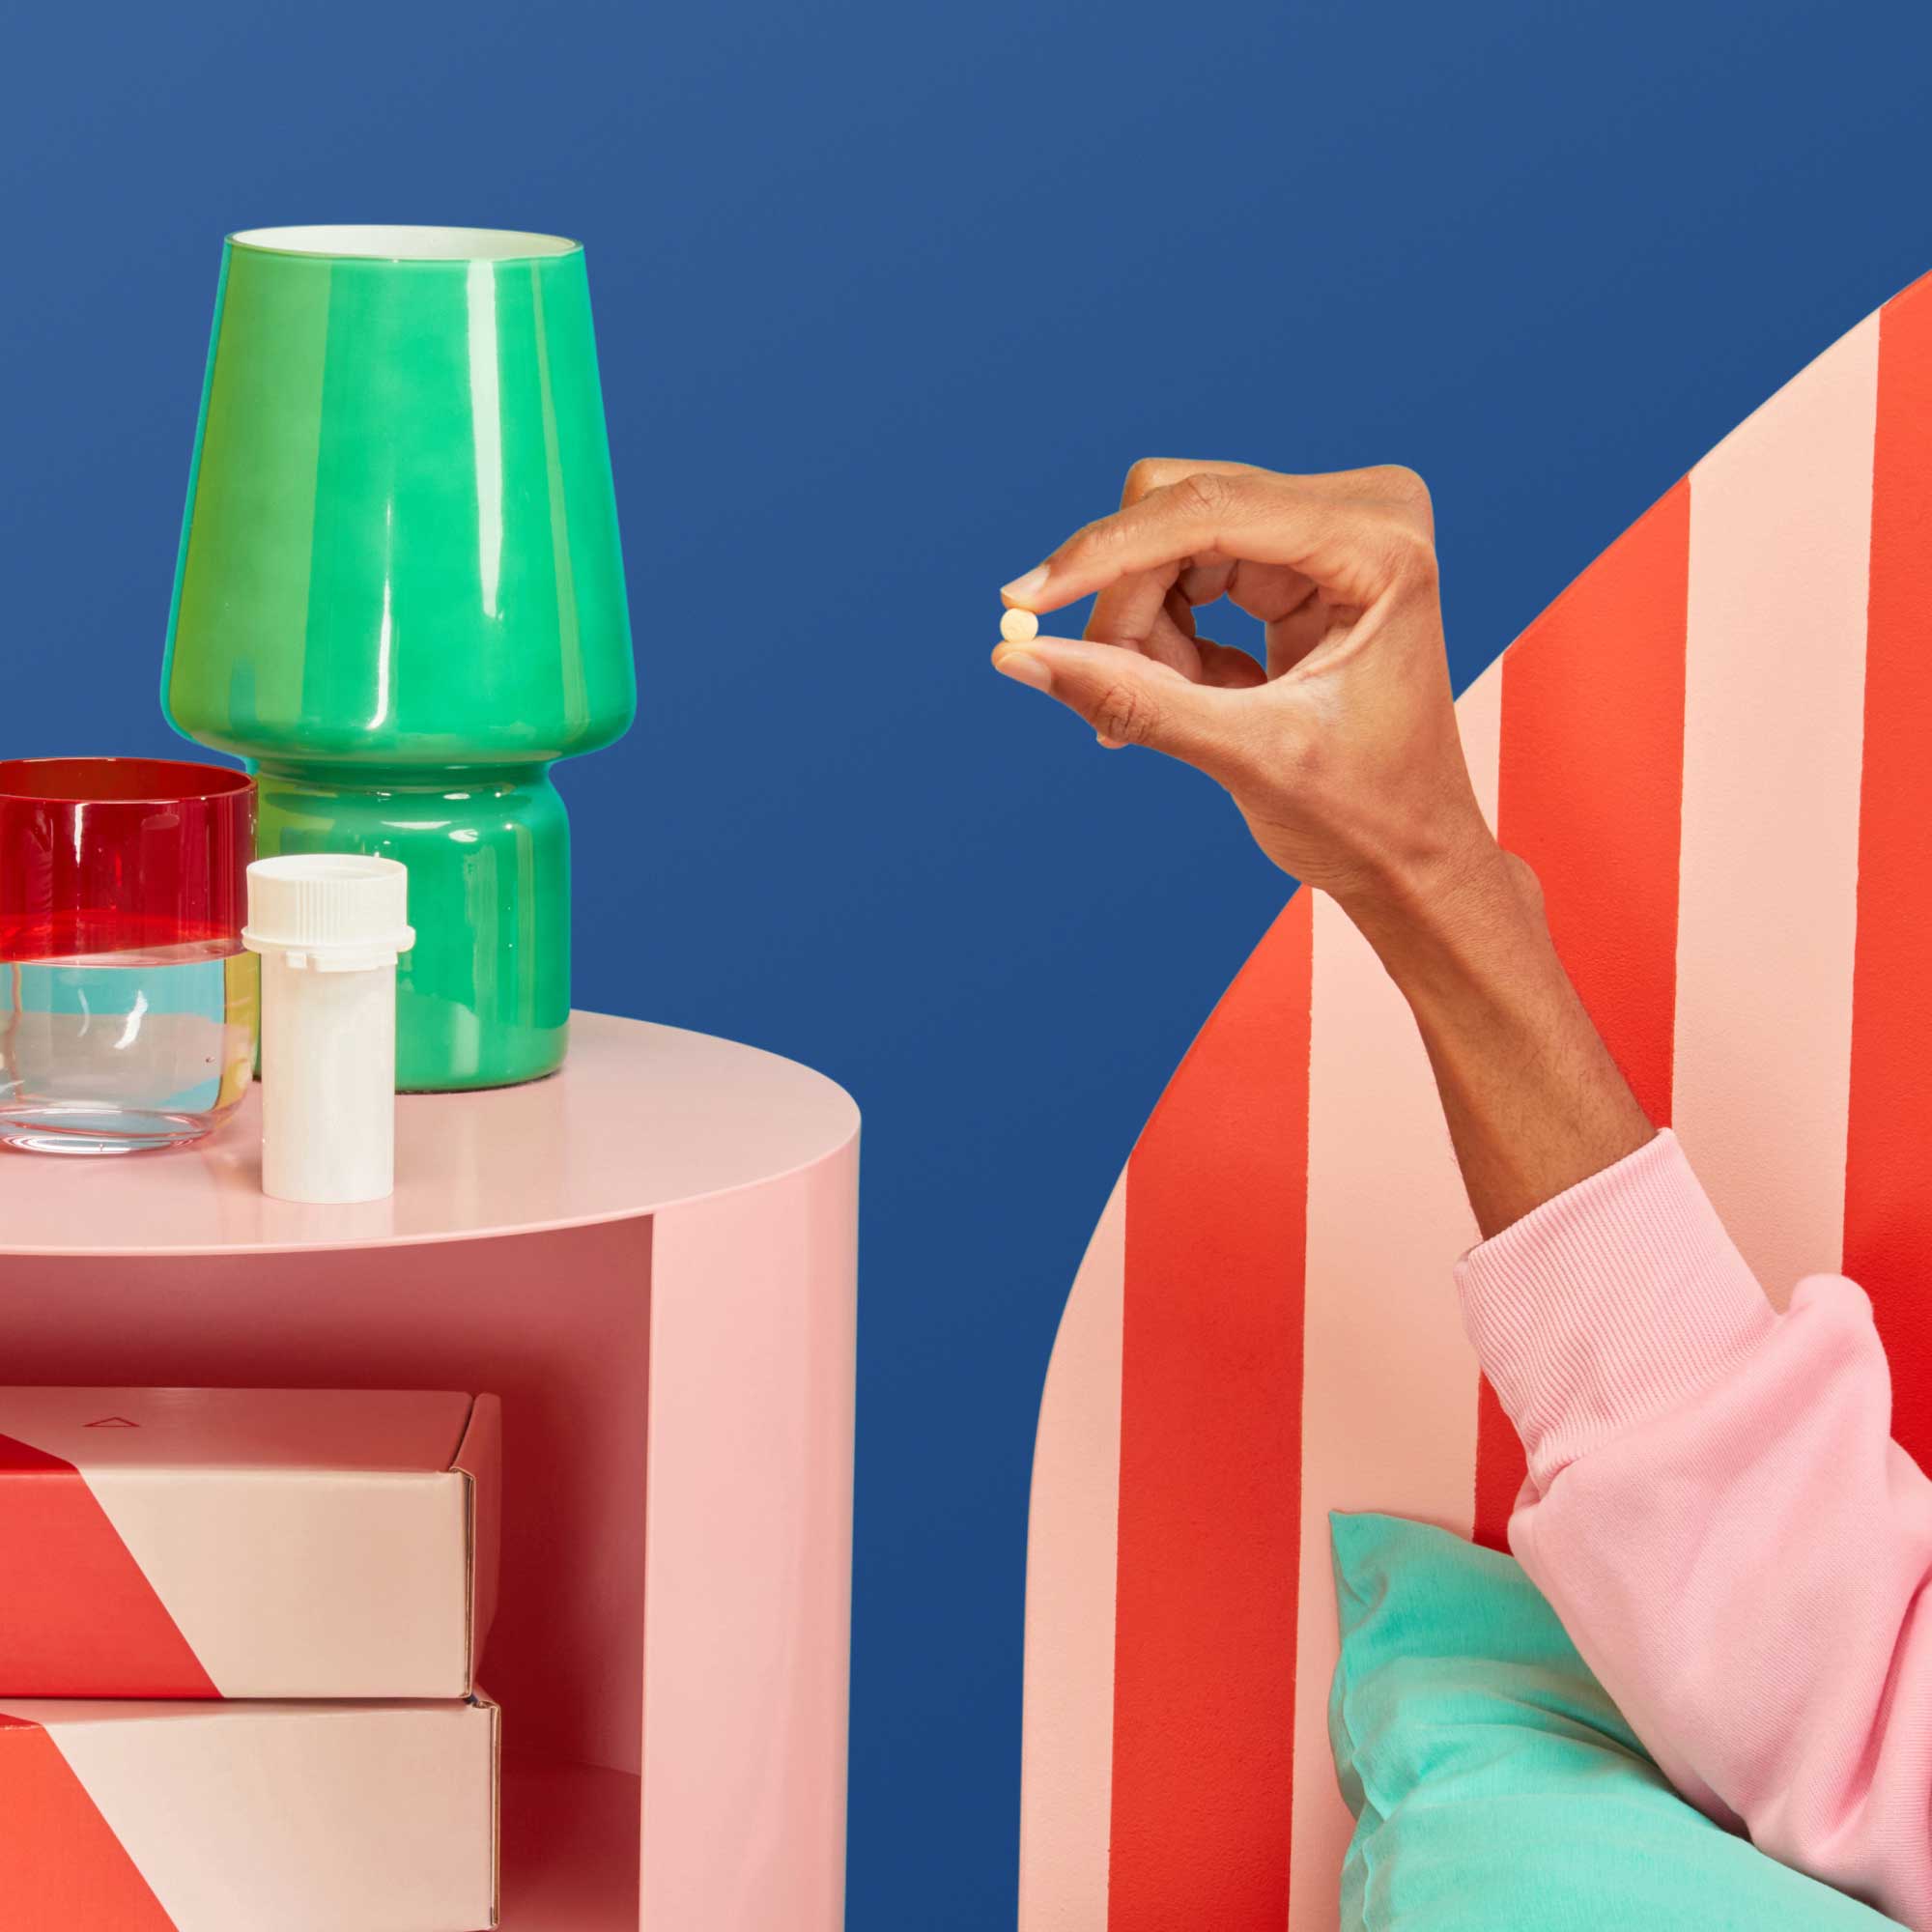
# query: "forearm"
1714 1511
1713 1504
1534 1101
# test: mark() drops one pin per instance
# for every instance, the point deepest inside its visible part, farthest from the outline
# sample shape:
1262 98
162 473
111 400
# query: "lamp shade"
400 595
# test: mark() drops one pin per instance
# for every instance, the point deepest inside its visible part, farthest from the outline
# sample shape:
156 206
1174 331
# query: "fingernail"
1023 668
1023 588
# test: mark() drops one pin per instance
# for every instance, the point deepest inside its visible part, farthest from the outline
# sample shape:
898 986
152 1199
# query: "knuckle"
1420 569
1401 485
1144 478
1408 556
1204 496
1124 713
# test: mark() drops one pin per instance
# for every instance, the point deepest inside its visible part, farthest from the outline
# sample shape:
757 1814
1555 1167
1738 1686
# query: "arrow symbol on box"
113 1422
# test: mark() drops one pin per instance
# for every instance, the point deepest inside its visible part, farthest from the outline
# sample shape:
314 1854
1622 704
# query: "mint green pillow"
1493 1782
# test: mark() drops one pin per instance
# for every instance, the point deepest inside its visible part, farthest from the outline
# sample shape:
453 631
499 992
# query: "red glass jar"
128 1005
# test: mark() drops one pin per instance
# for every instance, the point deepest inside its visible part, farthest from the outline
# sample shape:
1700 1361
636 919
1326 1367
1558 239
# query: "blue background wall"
889 296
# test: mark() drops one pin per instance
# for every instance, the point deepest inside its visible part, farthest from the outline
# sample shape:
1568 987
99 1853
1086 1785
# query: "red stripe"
61 1865
1211 1453
1591 792
78 1618
1889 1139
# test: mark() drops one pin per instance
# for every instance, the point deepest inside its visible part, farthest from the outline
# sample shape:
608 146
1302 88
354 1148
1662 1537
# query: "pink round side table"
652 1257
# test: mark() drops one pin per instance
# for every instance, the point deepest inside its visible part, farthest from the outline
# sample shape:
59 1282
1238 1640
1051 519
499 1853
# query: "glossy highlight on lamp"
401 596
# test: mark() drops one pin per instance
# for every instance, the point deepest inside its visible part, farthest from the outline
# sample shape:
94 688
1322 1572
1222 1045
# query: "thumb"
1130 700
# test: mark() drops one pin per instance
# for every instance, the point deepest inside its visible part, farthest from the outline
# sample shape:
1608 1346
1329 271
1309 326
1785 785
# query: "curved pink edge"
1072 1549
748 1556
642 1118
1774 754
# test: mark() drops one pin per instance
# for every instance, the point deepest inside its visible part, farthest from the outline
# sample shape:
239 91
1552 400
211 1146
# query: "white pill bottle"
329 927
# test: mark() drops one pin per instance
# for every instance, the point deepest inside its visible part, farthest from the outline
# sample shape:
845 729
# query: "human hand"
1341 750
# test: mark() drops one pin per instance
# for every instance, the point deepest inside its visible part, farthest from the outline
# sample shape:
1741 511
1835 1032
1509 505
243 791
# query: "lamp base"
483 998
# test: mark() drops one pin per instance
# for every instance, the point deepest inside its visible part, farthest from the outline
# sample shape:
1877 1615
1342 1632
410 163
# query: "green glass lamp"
401 597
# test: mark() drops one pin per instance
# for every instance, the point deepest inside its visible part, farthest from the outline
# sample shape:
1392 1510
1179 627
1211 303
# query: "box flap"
409 1430
480 1459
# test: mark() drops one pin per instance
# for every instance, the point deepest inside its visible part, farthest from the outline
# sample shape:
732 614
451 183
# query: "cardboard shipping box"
269 1817
246 1542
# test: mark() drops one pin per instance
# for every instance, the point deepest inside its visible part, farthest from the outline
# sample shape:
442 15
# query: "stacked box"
239 1632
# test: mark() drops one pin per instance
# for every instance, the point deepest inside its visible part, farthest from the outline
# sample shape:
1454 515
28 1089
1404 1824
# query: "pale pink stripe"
748 1556
1780 526
1072 1546
1388 1380
1479 717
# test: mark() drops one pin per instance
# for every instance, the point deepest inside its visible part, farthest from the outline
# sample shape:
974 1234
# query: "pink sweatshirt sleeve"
1717 1512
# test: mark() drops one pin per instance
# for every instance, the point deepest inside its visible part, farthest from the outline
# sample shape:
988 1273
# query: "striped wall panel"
1721 780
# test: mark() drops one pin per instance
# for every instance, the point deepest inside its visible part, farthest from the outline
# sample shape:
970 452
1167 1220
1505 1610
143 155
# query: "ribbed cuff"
1616 1299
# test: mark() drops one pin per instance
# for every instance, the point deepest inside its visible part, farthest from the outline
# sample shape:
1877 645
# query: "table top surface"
642 1118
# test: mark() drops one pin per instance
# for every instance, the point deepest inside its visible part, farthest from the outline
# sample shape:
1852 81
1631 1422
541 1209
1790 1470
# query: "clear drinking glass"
129 1008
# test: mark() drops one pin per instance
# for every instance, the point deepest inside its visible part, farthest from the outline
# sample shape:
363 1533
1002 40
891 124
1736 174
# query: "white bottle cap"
338 912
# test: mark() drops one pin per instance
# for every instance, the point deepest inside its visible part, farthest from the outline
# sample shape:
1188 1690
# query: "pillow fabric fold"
1493 1782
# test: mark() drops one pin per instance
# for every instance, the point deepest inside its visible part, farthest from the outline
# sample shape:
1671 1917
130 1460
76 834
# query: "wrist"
1433 897
1466 927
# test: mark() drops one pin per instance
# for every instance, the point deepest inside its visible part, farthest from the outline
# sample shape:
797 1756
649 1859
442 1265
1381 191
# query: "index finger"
1131 606
1354 543
1156 472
